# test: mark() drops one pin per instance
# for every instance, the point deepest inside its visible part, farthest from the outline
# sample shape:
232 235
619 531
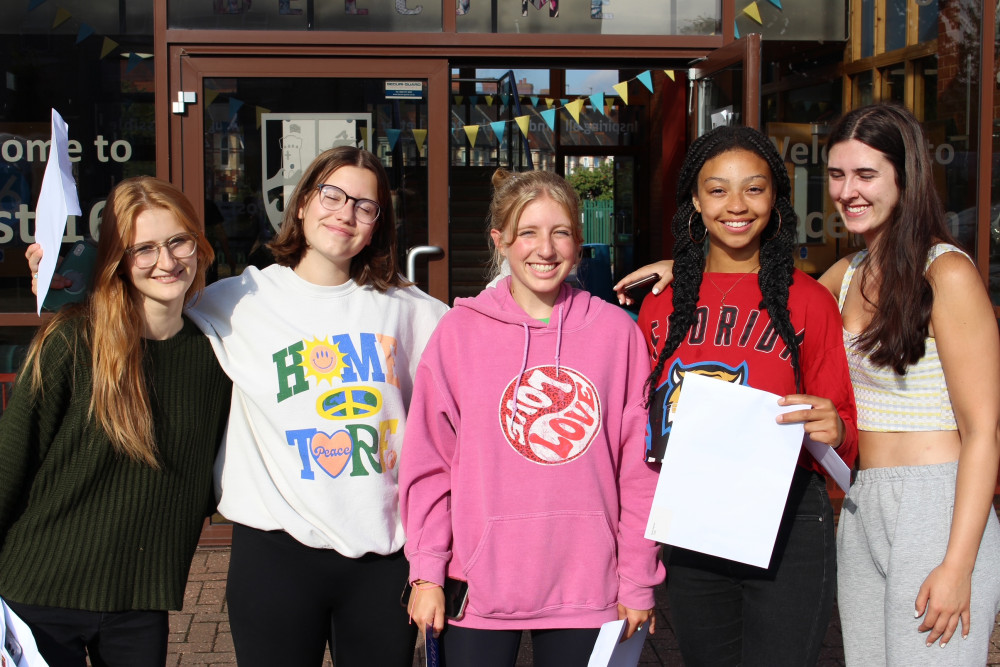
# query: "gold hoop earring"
778 230
690 233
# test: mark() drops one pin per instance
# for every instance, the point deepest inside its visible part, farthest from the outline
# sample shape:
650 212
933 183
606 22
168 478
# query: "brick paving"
199 633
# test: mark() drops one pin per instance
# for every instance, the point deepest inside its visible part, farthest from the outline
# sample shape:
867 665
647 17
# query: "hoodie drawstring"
559 323
524 362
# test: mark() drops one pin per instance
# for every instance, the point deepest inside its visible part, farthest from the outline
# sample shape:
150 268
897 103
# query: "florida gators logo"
664 405
349 403
554 417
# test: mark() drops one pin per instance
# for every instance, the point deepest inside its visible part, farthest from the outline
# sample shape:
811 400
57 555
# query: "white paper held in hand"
726 471
56 200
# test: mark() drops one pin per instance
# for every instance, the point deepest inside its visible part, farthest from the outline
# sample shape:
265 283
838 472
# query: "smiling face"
734 195
334 238
541 251
863 186
166 282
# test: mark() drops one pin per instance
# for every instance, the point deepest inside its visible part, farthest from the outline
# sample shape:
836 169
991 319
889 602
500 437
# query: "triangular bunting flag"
549 116
261 111
776 3
489 100
597 101
647 80
473 100
393 136
234 106
564 101
523 123
753 11
622 89
670 73
84 32
574 108
134 60
549 102
61 17
505 98
534 100
499 127
108 46
459 98
35 3
471 131
419 136
210 95
736 30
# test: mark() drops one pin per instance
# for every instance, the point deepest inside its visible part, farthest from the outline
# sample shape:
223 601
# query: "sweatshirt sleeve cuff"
634 596
427 567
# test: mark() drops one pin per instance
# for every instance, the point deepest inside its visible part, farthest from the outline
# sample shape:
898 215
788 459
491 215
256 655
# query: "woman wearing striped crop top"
918 542
918 539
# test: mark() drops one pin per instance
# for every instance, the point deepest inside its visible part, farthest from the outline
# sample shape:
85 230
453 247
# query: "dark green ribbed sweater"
81 526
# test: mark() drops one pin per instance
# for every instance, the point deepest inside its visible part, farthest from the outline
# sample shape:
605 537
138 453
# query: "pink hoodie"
542 510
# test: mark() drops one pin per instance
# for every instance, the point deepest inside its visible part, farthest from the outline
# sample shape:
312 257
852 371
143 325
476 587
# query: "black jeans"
288 601
67 637
729 613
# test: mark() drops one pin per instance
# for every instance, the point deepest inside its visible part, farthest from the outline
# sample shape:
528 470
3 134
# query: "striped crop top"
916 401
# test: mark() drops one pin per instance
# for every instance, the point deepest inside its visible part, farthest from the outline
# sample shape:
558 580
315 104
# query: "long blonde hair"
114 321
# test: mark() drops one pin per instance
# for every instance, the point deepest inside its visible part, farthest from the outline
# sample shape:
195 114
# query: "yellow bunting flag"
549 102
753 12
420 136
522 122
260 111
459 98
574 108
622 90
489 100
670 73
109 46
472 131
210 95
61 17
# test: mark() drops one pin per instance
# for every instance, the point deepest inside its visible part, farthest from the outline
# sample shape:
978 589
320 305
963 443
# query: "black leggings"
467 647
287 601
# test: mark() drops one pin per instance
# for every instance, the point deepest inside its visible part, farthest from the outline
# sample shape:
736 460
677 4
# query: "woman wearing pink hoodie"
522 470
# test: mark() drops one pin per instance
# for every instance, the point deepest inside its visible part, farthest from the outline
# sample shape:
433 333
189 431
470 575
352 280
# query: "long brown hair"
895 336
114 321
376 264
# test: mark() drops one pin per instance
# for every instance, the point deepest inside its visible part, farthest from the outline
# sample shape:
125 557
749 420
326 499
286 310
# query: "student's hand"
634 618
943 600
665 267
34 256
821 421
426 606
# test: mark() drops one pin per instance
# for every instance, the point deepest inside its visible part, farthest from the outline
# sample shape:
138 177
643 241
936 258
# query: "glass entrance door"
255 124
725 87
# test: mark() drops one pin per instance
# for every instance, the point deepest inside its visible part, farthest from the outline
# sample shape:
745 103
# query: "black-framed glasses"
333 198
146 255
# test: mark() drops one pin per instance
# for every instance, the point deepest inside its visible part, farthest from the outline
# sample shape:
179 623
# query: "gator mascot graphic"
661 410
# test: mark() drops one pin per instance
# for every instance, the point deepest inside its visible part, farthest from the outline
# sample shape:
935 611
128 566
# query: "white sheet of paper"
608 652
17 644
726 472
831 462
56 200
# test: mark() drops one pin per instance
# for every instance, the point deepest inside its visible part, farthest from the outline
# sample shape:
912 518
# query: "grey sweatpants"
893 531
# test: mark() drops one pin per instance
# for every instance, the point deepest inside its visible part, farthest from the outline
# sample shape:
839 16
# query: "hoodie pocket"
527 564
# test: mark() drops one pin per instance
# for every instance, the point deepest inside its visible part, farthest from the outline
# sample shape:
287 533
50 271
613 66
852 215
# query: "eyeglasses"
333 198
146 255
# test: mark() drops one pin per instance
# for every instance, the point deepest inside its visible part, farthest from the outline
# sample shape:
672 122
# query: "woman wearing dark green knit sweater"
108 442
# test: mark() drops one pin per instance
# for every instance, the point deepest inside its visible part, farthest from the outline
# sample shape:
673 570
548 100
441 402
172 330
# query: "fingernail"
916 614
929 644
965 636
656 290
943 644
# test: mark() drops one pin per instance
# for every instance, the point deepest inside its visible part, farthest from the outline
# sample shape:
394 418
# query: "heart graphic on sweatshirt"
332 452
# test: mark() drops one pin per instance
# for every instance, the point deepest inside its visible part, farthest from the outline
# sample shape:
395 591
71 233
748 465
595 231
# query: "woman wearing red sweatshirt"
522 470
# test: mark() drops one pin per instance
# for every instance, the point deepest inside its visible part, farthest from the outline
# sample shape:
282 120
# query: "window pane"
585 17
927 28
867 28
895 25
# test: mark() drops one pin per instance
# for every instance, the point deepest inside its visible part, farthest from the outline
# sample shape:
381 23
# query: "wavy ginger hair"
113 333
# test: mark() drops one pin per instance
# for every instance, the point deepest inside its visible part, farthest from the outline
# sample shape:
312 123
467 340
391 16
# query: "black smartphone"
456 596
641 284
78 267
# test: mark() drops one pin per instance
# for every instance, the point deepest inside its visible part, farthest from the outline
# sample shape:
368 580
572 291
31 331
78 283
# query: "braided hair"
777 242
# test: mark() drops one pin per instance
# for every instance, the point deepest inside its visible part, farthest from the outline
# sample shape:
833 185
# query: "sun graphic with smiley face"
323 360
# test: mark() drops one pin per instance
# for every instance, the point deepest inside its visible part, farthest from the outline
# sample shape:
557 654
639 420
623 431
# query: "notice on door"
404 90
